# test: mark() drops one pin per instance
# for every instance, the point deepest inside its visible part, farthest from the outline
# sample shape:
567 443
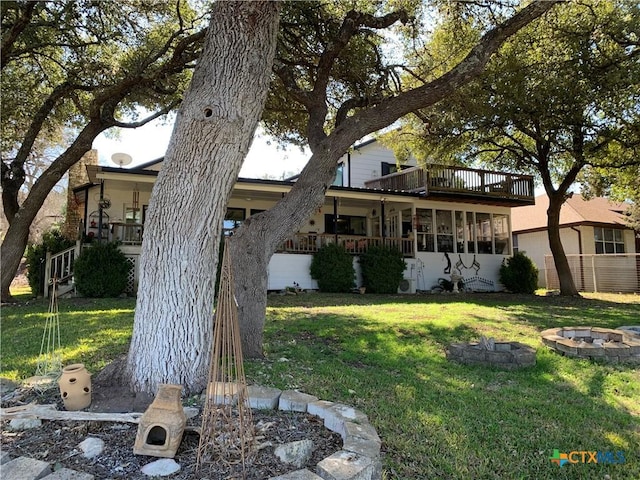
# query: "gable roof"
575 211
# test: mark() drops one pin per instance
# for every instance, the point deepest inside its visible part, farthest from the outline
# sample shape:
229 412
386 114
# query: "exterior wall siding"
365 164
285 270
536 246
480 272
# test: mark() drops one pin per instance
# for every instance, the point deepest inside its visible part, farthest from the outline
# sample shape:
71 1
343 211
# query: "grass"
92 331
385 356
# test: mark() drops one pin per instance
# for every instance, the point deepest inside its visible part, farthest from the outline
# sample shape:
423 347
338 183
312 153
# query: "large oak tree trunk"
173 323
255 242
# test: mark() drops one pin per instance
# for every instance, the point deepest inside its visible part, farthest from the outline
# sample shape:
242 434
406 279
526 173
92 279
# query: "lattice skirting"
132 279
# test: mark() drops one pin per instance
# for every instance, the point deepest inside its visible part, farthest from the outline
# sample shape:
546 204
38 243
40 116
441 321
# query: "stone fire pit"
604 344
633 330
505 355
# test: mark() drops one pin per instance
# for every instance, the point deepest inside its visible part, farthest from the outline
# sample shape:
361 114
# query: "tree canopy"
561 97
71 70
334 106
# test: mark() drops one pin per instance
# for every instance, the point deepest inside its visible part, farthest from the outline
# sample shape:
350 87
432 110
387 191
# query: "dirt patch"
57 442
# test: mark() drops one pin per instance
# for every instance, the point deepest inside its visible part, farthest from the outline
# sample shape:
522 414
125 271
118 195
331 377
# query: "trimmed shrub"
519 274
36 254
382 269
332 268
101 270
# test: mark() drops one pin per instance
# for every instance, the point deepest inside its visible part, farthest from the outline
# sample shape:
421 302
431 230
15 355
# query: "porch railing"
452 179
127 233
310 243
59 266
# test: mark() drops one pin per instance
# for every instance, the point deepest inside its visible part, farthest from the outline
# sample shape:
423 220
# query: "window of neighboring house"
233 218
339 176
608 240
515 243
345 224
387 168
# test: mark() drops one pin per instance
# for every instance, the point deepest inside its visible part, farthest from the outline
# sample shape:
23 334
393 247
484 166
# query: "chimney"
75 207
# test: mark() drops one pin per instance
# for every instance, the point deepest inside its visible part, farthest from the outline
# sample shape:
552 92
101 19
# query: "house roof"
575 211
150 163
137 174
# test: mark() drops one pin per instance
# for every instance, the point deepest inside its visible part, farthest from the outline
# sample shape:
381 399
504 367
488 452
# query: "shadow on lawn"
444 420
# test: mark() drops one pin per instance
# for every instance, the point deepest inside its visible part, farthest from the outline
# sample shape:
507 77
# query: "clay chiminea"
75 387
162 425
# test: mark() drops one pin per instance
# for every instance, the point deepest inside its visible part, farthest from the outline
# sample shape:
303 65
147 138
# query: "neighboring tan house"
601 248
444 219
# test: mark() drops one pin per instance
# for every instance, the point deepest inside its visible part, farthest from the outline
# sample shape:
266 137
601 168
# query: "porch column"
335 218
382 219
100 211
414 230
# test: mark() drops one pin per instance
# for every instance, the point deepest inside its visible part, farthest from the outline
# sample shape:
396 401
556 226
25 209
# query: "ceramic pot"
75 387
162 425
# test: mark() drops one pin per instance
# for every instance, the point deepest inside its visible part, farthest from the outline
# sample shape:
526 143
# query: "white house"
444 219
601 248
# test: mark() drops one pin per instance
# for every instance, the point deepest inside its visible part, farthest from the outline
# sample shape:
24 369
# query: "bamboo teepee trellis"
50 359
227 430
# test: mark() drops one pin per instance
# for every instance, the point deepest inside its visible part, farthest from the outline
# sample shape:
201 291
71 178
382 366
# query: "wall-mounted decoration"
447 269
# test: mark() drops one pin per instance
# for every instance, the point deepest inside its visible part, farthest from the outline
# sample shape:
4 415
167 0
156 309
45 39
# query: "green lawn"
385 356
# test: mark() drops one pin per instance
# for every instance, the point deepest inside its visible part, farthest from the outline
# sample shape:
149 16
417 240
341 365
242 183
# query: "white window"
501 233
608 240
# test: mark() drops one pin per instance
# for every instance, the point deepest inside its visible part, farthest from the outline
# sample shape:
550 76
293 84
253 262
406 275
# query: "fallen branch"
49 412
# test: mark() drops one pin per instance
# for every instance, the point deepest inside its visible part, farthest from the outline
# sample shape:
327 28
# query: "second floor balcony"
460 182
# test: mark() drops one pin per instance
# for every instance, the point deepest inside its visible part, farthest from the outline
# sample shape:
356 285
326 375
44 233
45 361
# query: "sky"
265 159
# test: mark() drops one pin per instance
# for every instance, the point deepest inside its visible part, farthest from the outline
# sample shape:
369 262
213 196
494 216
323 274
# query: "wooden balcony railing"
435 179
309 243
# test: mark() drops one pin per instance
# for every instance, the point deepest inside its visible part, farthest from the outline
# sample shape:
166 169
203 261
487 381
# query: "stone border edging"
359 458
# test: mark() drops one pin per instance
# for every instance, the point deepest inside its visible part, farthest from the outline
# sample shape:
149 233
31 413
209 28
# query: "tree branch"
389 110
316 101
148 119
9 36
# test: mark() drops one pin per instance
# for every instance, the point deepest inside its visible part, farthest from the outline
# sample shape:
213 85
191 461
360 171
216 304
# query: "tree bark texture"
173 326
263 233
